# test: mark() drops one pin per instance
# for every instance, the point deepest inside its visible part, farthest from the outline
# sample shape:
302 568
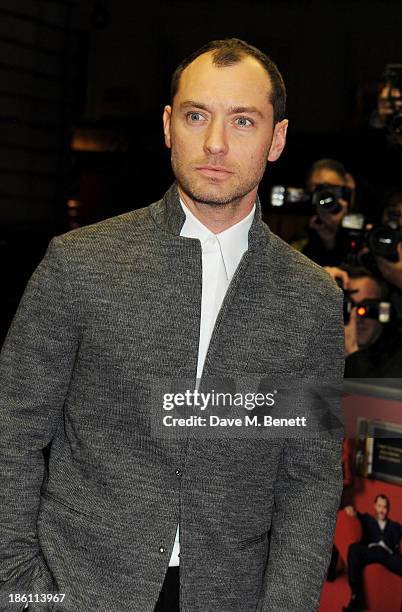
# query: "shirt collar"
192 227
169 216
233 241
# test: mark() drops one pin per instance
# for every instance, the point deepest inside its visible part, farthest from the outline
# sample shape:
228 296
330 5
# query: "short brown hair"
382 496
328 164
359 271
229 51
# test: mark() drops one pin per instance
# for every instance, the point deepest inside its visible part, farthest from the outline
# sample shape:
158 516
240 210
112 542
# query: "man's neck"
219 218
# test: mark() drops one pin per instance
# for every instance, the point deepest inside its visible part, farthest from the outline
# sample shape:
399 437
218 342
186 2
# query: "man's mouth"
215 172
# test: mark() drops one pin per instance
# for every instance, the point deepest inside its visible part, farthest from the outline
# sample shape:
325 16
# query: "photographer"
372 349
392 271
382 250
323 227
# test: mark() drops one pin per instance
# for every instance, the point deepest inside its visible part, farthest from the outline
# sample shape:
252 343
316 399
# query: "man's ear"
167 114
278 140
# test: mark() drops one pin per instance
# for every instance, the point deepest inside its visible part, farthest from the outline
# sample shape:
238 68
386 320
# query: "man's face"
380 508
368 330
220 130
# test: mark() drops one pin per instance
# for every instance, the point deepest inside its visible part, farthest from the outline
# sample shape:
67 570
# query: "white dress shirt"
221 254
381 542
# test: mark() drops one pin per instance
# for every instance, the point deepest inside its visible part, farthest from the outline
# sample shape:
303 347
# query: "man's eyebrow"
246 109
194 104
234 110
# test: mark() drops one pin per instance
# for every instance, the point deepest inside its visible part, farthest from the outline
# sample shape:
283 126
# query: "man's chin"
215 195
212 200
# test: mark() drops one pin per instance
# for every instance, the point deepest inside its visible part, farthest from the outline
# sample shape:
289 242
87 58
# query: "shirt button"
162 549
178 473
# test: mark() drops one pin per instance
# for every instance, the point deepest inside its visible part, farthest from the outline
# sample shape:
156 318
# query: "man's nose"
216 139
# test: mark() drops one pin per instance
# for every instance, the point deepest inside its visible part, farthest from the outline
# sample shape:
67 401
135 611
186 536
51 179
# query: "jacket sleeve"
308 488
36 362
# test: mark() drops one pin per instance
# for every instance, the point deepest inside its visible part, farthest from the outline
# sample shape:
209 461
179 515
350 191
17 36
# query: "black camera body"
325 197
378 310
382 241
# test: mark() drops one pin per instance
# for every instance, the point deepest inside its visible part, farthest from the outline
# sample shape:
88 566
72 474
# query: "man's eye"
194 117
243 122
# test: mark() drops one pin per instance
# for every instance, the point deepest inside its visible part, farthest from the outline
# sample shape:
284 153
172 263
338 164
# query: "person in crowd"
380 543
323 245
372 349
391 271
393 208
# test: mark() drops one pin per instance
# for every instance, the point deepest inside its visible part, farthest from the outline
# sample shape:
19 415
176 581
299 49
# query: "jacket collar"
169 216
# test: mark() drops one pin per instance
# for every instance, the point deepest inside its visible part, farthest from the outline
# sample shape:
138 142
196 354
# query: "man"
194 285
326 242
392 270
323 244
379 544
372 349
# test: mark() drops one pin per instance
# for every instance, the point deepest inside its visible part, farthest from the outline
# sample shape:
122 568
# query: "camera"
324 197
372 309
382 240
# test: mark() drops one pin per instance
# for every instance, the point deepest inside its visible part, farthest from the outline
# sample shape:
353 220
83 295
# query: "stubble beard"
202 195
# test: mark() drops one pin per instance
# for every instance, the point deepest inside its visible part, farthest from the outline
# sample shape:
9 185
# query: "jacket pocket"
93 518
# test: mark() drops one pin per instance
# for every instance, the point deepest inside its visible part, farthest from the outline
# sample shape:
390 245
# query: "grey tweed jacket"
110 308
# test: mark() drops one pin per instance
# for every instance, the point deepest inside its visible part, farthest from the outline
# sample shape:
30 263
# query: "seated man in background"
372 349
323 227
379 544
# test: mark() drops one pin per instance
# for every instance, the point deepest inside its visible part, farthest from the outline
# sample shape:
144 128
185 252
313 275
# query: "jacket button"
162 549
178 473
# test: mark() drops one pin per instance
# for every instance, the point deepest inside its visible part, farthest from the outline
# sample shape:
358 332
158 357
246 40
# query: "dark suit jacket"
111 309
391 535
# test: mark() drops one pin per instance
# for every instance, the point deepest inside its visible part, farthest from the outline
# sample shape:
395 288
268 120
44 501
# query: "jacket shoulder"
136 221
299 273
111 238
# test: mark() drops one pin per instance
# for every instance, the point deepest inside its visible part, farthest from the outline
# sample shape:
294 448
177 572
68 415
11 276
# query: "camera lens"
382 241
325 197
